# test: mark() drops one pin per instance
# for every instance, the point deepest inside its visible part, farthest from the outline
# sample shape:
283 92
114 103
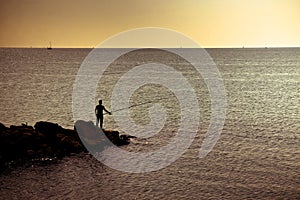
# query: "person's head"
100 102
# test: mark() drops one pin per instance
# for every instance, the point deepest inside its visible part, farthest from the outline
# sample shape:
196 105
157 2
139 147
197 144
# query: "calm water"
257 156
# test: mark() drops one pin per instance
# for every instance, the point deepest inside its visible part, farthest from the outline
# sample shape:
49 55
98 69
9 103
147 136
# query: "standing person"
99 113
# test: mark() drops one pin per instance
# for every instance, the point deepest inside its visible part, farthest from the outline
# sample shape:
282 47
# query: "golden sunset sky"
211 23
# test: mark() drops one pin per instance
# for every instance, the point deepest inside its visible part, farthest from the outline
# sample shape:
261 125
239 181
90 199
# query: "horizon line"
207 47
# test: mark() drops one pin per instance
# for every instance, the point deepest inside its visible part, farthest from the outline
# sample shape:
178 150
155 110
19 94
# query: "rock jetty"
46 139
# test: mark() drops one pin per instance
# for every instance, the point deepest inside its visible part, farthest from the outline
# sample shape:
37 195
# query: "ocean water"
256 157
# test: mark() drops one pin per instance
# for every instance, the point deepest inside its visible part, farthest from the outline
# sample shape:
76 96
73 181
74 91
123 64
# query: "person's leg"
101 122
97 121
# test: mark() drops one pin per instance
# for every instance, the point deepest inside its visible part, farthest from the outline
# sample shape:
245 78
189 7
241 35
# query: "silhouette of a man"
99 113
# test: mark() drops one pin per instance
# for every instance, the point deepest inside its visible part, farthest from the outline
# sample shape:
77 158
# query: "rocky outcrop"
48 139
91 135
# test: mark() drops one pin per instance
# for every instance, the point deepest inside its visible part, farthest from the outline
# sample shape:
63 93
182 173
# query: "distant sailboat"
50 47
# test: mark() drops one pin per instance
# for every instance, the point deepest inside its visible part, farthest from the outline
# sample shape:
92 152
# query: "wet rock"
93 135
48 139
2 127
113 136
48 130
116 138
126 138
15 141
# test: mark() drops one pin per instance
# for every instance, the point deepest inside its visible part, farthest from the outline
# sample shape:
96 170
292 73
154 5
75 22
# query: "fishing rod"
136 105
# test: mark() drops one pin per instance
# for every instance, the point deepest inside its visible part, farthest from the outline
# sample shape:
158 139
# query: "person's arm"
106 110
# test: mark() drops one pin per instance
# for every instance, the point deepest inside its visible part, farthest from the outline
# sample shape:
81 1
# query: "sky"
211 23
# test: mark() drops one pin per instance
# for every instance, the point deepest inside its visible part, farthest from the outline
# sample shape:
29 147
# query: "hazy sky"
212 23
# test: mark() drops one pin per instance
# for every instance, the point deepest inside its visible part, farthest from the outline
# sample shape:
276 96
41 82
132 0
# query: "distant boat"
50 47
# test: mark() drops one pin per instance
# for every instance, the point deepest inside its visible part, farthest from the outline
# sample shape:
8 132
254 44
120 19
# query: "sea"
256 156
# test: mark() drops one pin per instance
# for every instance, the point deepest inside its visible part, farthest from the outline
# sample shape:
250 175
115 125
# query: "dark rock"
47 128
21 128
48 139
116 138
2 127
126 138
92 134
15 141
